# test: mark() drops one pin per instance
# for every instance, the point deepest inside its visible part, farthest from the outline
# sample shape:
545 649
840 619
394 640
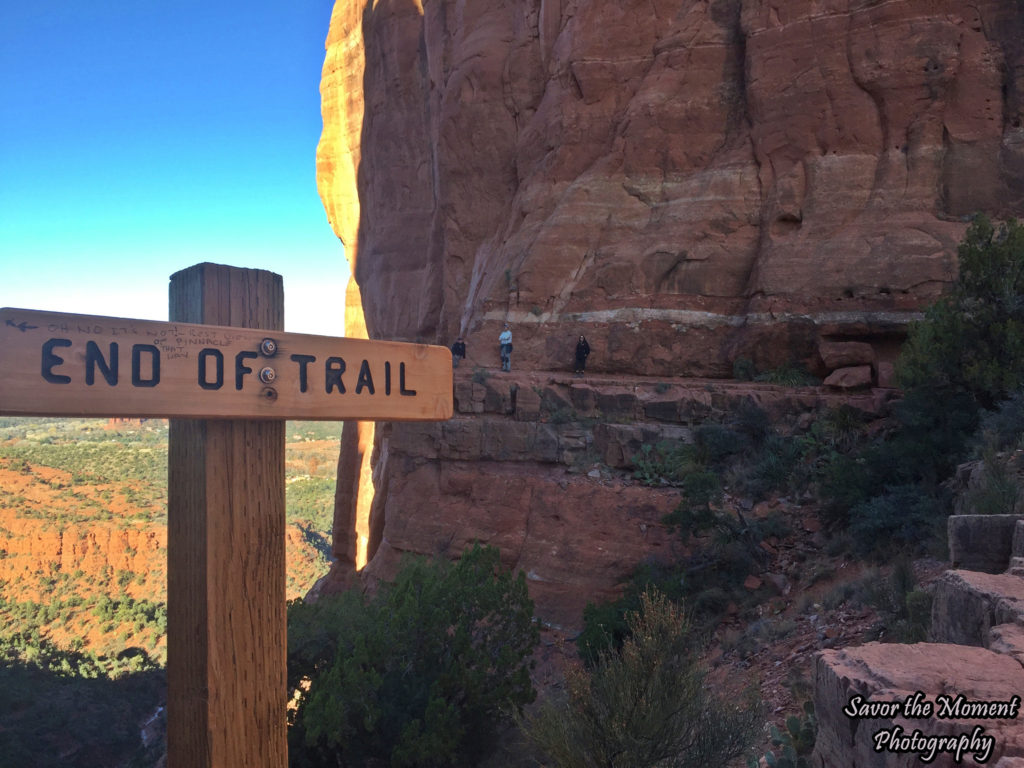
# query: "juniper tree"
647 705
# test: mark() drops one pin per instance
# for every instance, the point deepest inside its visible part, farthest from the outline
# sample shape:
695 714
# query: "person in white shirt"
505 348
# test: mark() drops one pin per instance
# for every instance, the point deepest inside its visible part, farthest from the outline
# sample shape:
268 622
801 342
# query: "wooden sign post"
228 377
226 623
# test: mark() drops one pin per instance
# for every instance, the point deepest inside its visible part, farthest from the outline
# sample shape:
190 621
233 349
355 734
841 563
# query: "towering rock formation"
687 182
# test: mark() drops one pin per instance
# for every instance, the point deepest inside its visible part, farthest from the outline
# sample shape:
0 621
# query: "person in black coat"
458 352
582 351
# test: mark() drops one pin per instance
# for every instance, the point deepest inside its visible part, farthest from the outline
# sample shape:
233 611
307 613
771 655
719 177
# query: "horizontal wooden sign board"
57 364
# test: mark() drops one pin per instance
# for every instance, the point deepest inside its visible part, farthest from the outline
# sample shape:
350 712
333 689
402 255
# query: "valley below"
83 579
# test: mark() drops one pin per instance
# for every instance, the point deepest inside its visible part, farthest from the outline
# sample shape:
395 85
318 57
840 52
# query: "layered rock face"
686 183
540 465
680 181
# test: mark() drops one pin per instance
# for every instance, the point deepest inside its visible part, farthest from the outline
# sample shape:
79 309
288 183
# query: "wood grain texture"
226 655
59 364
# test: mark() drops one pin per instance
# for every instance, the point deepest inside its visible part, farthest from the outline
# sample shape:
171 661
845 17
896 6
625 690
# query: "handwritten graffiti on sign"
58 364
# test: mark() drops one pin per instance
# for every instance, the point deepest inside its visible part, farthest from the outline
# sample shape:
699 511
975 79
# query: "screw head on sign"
268 347
267 375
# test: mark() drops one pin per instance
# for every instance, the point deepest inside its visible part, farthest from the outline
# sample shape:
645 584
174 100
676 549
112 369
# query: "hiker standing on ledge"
505 348
582 351
458 352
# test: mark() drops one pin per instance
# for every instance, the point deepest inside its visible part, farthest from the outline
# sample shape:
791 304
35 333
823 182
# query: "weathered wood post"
226 633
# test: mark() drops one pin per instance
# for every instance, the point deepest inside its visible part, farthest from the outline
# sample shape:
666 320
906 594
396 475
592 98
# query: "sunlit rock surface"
686 183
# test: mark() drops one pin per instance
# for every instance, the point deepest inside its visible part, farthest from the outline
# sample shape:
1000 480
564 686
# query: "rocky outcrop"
717 181
975 657
968 604
887 673
34 547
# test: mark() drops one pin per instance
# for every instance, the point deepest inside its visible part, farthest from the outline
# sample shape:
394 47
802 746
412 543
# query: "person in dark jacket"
582 351
458 352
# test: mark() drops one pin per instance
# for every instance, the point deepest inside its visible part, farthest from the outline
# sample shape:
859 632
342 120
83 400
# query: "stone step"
967 604
982 542
1017 547
1016 566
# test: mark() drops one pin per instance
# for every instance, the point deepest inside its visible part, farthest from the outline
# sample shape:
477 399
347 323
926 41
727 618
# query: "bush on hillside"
606 625
966 357
1003 428
646 705
890 493
972 340
421 675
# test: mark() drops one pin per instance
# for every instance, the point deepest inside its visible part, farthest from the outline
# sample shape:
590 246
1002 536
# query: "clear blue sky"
139 137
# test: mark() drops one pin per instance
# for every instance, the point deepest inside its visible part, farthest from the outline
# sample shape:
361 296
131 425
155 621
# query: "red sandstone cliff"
635 170
684 182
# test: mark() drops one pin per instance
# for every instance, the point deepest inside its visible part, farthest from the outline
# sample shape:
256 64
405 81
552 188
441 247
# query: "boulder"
855 377
844 354
879 672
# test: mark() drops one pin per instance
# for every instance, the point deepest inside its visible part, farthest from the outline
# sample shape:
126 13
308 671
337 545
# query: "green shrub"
926 441
972 340
790 375
605 625
419 676
967 355
743 369
902 519
712 575
998 490
668 461
838 429
753 421
919 616
64 708
1002 428
756 635
904 611
648 465
717 442
771 469
647 705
